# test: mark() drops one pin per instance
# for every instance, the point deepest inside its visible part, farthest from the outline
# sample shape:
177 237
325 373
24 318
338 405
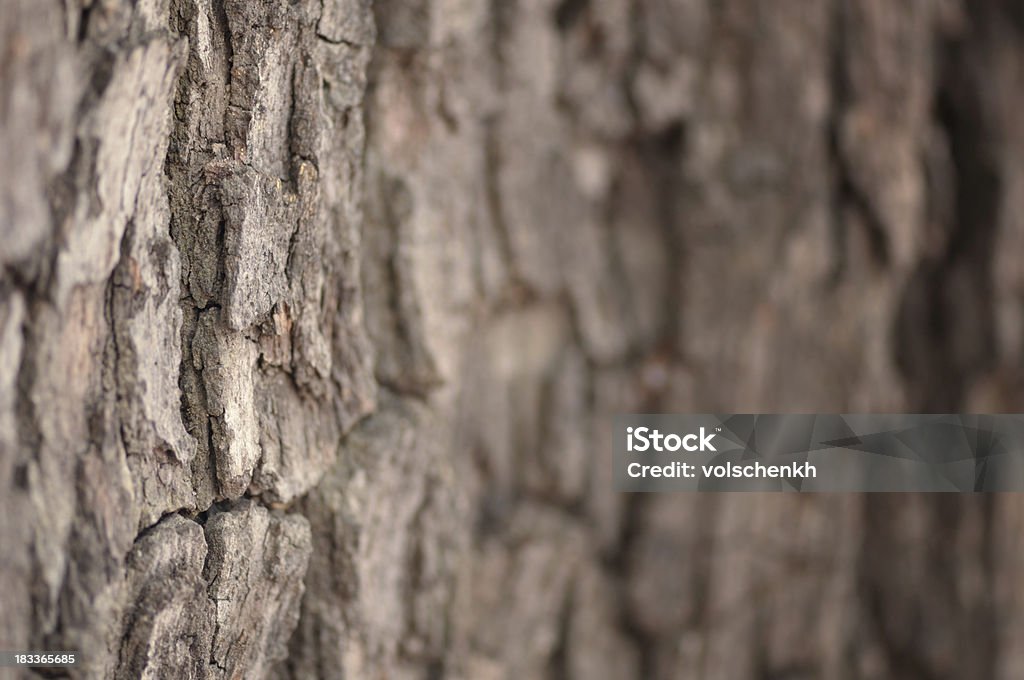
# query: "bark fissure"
315 314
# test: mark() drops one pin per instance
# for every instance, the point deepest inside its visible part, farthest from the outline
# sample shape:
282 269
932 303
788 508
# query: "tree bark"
314 316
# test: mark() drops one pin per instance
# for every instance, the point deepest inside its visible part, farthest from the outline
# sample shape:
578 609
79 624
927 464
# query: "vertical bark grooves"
314 315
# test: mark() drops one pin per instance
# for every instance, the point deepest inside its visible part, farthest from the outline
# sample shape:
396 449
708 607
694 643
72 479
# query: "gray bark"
314 315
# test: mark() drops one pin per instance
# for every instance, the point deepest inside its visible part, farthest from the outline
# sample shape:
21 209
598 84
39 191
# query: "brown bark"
314 315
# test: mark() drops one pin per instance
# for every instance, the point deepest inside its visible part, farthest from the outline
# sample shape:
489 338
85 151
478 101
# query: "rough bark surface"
314 314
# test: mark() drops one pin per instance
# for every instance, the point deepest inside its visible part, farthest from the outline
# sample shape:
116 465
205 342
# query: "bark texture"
314 315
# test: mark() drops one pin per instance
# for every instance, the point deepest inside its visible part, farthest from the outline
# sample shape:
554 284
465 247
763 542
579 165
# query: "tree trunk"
314 316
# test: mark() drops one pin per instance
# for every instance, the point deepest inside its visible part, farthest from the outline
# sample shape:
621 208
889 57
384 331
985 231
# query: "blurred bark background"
314 314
